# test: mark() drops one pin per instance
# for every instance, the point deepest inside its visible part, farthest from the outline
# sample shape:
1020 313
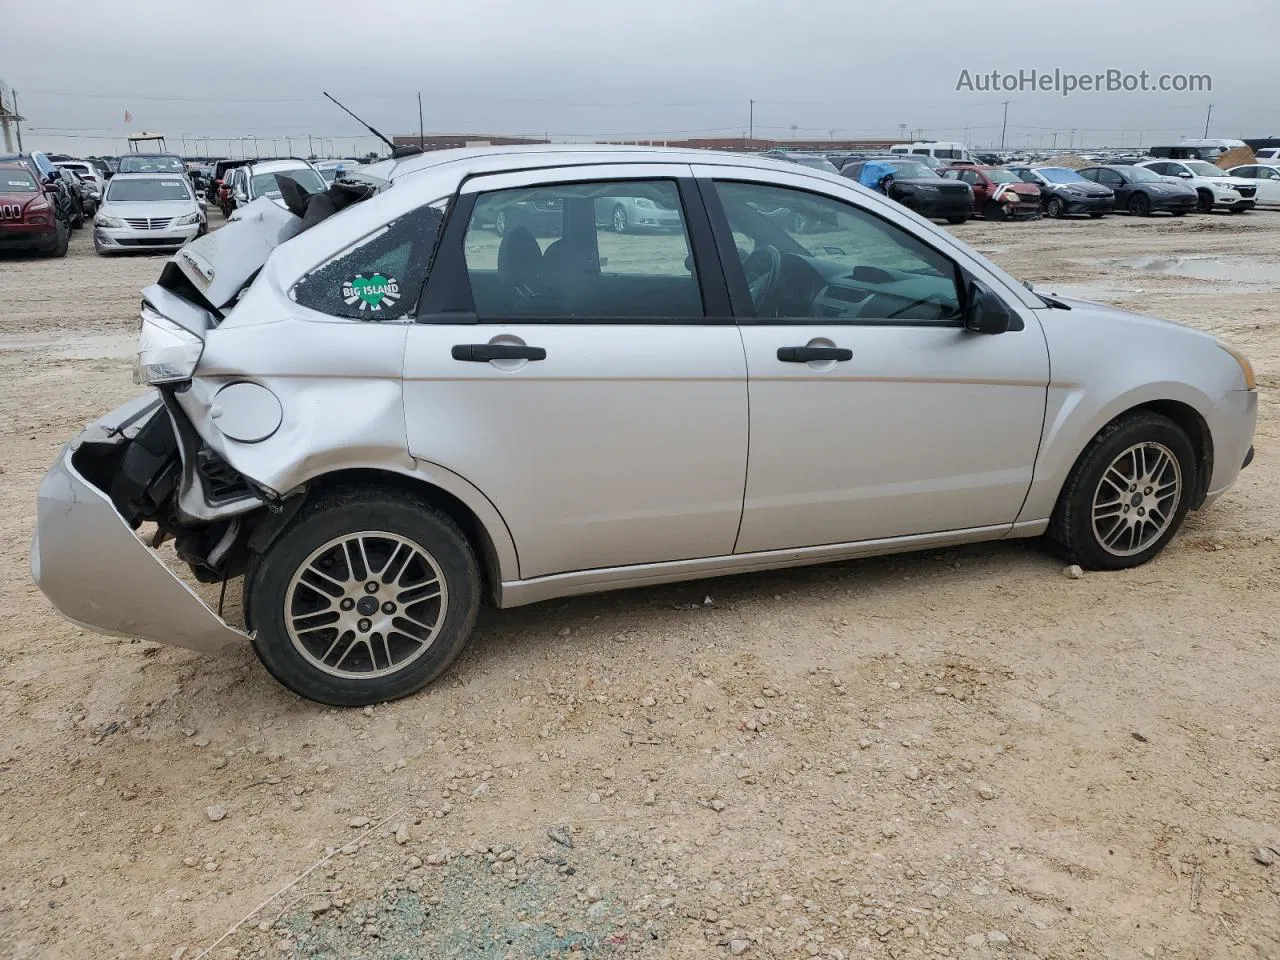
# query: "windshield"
17 181
149 188
150 165
911 169
1141 174
1001 176
1059 175
1202 169
266 185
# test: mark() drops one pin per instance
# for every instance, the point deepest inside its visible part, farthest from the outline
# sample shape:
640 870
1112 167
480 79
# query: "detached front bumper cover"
94 568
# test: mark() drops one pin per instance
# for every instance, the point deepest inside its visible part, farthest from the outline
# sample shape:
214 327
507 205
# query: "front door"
874 413
589 381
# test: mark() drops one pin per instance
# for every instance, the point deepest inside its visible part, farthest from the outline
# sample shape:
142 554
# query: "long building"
452 140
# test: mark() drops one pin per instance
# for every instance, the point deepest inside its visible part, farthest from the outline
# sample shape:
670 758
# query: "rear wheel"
619 220
367 596
1127 495
1204 201
500 223
77 216
960 219
63 240
1140 205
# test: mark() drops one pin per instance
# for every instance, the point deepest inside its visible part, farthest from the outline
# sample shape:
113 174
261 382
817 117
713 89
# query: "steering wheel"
763 269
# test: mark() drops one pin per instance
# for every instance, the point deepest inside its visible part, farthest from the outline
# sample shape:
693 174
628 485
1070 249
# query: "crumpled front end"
86 556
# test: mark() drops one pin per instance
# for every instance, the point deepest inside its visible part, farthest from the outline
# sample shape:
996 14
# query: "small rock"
1265 856
648 702
402 834
594 895
219 763
349 849
368 711
975 940
567 631
738 947
593 797
295 804
717 806
986 791
359 822
912 773
894 685
650 798
562 836
57 881
318 907
995 936
158 829
201 742
215 812
1073 572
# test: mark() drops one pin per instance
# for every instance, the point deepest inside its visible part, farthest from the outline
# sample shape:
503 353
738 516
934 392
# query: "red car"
998 194
28 218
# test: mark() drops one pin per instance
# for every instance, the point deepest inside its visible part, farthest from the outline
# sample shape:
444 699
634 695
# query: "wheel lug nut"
371 586
364 626
388 607
1141 512
1126 509
1133 487
347 604
1148 491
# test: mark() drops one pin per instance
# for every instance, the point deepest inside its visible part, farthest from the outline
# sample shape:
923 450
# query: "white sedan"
1268 177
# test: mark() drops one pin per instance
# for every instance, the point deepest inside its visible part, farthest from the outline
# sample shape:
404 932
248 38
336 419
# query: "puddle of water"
97 346
1259 273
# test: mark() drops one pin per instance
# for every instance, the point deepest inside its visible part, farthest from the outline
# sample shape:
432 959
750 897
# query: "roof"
500 159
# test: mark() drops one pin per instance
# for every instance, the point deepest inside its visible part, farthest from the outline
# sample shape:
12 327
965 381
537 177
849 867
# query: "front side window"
815 258
581 251
381 276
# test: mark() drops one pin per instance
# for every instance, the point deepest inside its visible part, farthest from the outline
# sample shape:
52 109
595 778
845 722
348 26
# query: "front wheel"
994 211
1127 494
1204 201
62 240
367 596
619 220
1054 209
1140 205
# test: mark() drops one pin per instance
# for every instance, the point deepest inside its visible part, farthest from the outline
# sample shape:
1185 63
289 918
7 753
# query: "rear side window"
609 251
380 277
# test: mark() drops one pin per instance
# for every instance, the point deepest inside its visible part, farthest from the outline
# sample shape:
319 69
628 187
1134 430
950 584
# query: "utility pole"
751 121
422 139
1055 139
1004 123
1206 117
1072 142
311 151
17 116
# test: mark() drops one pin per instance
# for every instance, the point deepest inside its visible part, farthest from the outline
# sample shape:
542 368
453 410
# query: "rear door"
874 413
590 383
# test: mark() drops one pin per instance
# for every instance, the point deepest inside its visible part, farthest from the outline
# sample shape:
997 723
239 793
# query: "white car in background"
147 211
255 180
1265 175
1214 186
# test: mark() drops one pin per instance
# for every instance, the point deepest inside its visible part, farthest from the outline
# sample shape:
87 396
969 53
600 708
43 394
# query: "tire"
500 223
1140 205
993 211
388 525
59 248
1091 485
1204 201
958 220
1055 209
77 217
619 219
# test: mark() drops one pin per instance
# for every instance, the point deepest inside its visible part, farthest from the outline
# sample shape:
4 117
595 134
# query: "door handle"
808 354
484 352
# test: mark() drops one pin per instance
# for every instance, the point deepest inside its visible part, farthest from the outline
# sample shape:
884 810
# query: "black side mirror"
985 312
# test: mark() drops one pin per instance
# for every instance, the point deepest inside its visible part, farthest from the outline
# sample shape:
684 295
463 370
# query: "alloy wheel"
1137 498
365 605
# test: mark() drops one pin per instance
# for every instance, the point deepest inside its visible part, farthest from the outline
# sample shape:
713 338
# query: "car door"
591 384
981 187
874 413
1118 184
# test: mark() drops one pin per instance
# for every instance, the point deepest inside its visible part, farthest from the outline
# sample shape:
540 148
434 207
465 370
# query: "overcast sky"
581 69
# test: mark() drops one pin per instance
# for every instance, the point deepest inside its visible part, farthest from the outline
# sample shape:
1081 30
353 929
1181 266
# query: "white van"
948 150
1210 149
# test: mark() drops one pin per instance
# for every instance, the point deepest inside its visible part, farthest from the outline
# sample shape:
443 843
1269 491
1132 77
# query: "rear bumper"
93 567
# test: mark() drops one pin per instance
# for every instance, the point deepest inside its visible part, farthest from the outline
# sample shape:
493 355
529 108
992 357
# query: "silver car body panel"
102 575
648 484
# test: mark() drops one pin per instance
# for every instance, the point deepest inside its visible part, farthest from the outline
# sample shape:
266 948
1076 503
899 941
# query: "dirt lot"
954 754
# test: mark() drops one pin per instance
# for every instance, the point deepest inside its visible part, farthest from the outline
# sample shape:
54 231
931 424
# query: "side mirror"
51 189
984 312
1184 175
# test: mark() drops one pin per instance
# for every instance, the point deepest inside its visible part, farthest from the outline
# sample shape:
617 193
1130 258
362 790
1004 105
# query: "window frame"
744 308
448 298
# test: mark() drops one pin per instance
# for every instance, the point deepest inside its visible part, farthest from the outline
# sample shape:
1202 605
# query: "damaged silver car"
378 411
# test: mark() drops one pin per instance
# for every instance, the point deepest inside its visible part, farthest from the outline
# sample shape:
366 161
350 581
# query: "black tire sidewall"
352 512
1073 523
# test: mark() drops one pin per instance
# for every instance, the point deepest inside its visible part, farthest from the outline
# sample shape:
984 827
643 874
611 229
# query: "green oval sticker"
371 293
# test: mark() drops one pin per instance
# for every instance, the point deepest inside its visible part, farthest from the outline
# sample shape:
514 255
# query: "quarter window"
581 251
817 258
382 275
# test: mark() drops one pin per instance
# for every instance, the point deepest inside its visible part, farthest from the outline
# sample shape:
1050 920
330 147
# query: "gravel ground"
954 754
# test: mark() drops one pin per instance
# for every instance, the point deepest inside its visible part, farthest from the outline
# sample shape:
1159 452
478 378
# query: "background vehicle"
258 179
415 464
329 169
1063 191
86 197
151 163
1266 178
998 194
918 188
1140 191
1267 154
89 173
65 195
29 218
948 151
1213 186
147 211
221 170
815 160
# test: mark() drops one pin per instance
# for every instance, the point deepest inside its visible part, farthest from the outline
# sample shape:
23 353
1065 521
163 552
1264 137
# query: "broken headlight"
167 352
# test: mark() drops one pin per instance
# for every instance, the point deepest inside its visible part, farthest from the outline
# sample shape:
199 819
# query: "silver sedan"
383 419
